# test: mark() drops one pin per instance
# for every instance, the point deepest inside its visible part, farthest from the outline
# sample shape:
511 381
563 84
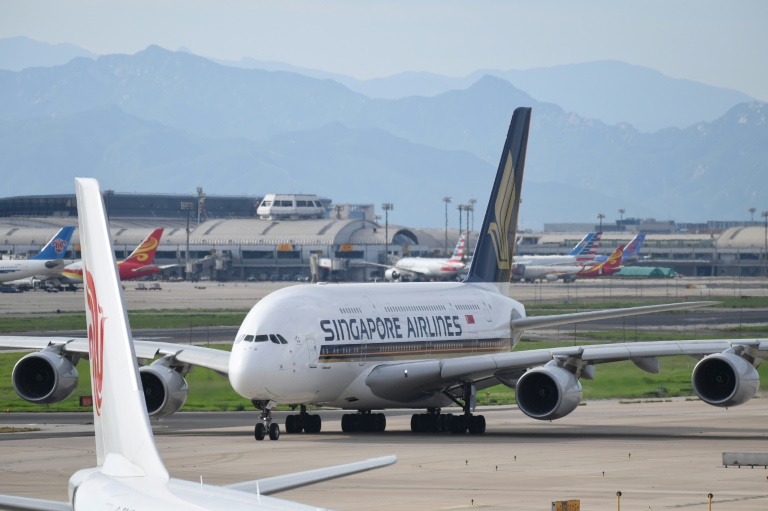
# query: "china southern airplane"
427 267
129 473
421 345
49 261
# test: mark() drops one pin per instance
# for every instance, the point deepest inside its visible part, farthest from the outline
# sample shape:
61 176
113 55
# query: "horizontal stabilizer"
528 323
278 484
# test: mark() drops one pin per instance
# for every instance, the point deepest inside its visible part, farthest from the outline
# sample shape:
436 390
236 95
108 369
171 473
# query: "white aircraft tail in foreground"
130 474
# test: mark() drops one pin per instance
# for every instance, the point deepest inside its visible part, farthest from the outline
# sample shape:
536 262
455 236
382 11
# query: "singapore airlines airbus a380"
130 474
420 345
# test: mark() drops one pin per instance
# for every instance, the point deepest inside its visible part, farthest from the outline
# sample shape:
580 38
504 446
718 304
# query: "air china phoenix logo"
95 340
59 245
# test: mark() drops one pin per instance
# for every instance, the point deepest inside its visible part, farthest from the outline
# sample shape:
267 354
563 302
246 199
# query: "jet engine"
548 392
44 378
392 274
725 379
165 390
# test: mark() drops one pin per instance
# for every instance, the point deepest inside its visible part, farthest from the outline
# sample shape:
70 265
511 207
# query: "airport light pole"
764 214
752 215
462 207
387 207
109 194
472 203
447 201
187 206
621 218
600 217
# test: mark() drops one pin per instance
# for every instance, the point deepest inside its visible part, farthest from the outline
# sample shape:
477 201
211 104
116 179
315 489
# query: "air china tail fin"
496 241
459 251
124 442
145 253
56 248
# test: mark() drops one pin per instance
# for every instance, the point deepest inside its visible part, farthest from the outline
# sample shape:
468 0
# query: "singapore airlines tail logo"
498 229
95 340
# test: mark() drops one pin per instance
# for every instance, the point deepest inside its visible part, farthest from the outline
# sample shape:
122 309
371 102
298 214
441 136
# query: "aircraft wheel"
260 431
290 424
477 424
274 431
381 422
314 424
346 423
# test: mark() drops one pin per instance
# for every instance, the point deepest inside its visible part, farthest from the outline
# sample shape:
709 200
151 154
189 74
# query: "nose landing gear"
266 426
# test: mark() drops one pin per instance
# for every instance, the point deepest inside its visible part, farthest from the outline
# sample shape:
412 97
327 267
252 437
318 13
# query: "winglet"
496 241
56 248
124 443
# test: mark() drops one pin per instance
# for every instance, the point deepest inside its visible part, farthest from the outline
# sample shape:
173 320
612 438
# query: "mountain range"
170 121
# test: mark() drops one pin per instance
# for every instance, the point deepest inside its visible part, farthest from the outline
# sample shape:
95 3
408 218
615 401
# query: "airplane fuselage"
429 267
319 343
22 268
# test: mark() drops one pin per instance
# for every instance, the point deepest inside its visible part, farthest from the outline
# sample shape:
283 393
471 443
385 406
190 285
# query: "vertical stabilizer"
589 251
460 251
56 248
492 261
145 253
124 443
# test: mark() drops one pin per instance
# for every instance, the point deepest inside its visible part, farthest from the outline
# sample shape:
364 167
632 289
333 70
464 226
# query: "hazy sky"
721 43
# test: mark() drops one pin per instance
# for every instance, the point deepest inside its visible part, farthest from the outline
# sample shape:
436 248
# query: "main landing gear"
266 426
364 421
435 422
303 421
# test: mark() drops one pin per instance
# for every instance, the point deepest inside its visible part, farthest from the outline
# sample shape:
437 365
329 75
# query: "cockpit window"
261 338
282 339
274 339
248 338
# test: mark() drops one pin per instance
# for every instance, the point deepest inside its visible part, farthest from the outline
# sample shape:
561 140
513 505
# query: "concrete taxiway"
660 455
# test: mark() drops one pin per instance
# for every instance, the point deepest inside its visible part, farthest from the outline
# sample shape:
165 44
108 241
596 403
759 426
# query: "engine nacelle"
392 274
44 378
165 390
548 393
725 379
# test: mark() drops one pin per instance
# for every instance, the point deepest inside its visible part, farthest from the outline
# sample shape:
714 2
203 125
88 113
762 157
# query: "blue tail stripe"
56 248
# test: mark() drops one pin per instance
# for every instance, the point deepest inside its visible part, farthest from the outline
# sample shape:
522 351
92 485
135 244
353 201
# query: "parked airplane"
427 267
570 272
421 345
49 261
631 251
584 251
129 473
138 264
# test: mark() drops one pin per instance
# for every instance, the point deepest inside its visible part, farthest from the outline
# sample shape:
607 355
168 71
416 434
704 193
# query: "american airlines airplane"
425 346
427 267
49 261
138 264
129 473
584 251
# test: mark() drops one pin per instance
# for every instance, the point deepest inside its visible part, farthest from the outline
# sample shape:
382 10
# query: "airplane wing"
12 503
271 485
416 380
217 360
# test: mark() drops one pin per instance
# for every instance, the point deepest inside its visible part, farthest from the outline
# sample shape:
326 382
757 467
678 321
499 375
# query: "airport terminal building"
275 237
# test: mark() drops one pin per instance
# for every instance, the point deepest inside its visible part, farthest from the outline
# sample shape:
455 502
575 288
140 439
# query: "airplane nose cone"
238 371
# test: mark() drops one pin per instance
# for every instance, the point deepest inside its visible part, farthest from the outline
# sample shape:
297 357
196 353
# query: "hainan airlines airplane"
429 268
420 345
138 264
570 272
49 261
584 251
129 473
